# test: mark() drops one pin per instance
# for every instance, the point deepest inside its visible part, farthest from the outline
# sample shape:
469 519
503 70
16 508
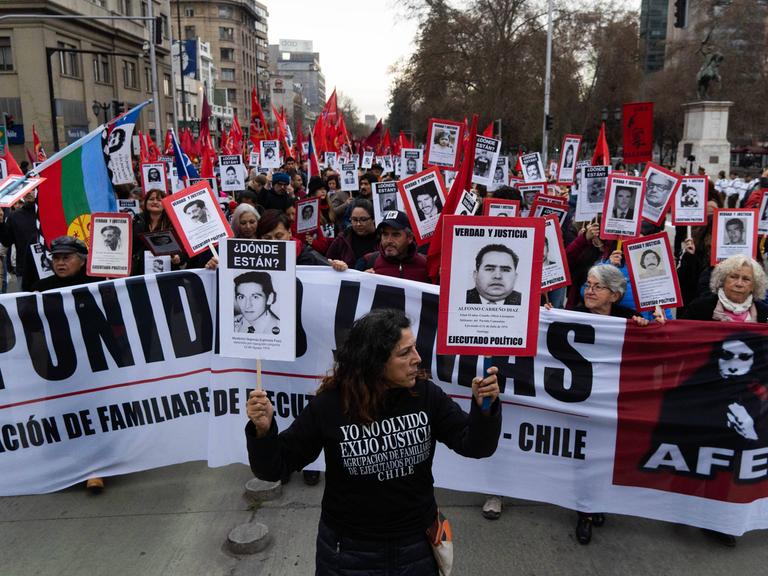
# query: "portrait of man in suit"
494 276
624 207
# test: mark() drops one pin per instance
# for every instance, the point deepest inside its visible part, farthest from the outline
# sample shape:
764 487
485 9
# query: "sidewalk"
175 520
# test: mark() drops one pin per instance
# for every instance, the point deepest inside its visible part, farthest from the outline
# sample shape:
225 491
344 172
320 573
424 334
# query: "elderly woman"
374 517
738 285
245 220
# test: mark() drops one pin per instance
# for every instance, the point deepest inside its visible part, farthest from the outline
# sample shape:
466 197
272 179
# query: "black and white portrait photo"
411 161
690 202
494 276
660 185
197 212
443 139
621 210
650 264
255 301
156 264
153 176
232 172
110 249
427 201
486 156
269 154
533 168
591 198
500 174
307 215
386 198
349 177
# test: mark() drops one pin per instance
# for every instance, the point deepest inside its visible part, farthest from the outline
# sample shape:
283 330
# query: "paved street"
175 520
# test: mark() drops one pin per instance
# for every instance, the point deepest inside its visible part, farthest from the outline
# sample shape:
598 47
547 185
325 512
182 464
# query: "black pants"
338 555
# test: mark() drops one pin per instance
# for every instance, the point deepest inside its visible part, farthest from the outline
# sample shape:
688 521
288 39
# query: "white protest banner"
138 386
554 269
110 245
734 231
385 198
689 206
652 272
257 299
566 170
423 195
621 207
486 155
197 217
232 172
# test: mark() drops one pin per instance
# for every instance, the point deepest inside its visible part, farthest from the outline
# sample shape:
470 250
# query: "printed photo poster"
491 286
449 176
232 172
423 196
307 215
734 231
156 264
468 205
269 152
177 184
257 299
594 180
543 207
3 169
397 166
42 259
500 174
621 208
385 198
529 193
554 268
386 164
197 217
552 172
118 151
253 159
486 156
367 159
689 207
14 188
762 224
411 161
533 168
566 170
153 177
354 159
110 246
660 188
210 181
444 139
349 179
580 165
162 242
652 272
501 207
129 206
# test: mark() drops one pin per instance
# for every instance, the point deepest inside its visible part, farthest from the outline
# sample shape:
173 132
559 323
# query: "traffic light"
158 29
681 13
118 107
550 121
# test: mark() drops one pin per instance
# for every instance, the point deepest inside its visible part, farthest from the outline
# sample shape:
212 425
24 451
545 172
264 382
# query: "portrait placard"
129 206
257 299
197 217
42 259
354 159
397 166
161 242
253 159
386 164
621 208
689 207
566 169
533 168
501 207
594 180
529 193
553 170
444 139
212 184
500 174
385 198
156 264
660 188
349 181
232 172
110 246
468 205
580 165
3 169
734 231
762 225
307 215
543 207
652 272
423 196
554 268
14 188
449 176
153 176
491 285
411 161
486 155
367 159
269 152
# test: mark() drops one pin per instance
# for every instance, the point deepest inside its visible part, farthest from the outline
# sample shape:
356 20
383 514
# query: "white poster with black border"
3 169
257 299
129 206
411 161
367 159
118 150
589 204
486 155
153 176
762 225
533 167
354 159
554 268
468 205
156 264
232 172
500 174
576 186
307 213
269 152
386 164
568 159
385 198
349 177
330 159
253 159
42 259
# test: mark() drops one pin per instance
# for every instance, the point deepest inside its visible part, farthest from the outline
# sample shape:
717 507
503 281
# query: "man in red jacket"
397 254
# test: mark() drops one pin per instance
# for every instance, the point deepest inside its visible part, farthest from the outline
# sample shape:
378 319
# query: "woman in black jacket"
377 420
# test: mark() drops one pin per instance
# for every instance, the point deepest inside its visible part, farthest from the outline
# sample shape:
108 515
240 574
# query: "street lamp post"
100 106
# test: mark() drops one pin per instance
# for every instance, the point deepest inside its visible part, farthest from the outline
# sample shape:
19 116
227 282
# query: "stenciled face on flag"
695 421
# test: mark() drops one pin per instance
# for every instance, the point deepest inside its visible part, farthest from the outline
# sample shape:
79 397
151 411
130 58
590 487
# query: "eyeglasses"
744 356
362 220
594 287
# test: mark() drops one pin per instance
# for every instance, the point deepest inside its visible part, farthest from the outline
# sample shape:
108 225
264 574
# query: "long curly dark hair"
358 373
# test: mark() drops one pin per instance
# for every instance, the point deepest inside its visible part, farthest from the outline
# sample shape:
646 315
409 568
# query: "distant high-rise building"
653 33
370 121
295 59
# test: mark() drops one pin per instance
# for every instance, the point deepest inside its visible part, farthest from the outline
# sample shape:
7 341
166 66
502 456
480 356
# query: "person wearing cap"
276 198
397 255
68 255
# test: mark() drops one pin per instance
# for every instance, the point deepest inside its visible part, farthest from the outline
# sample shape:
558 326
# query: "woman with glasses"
359 238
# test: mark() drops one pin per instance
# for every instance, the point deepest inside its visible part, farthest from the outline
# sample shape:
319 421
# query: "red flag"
373 140
343 132
168 146
236 134
280 131
313 166
488 132
386 144
40 154
331 111
205 120
299 144
30 156
319 136
154 151
463 182
602 156
257 130
143 154
208 156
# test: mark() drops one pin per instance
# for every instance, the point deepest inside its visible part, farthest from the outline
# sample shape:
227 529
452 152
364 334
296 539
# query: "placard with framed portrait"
734 231
110 246
652 272
501 207
423 196
444 139
566 170
660 188
621 207
689 207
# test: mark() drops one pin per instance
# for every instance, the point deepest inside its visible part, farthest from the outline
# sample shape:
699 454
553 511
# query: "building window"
148 78
164 20
189 12
189 32
228 74
69 62
125 7
227 54
232 95
6 54
226 33
167 84
101 69
225 12
130 79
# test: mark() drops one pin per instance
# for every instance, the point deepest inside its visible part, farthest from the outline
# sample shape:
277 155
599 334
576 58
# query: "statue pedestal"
705 137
